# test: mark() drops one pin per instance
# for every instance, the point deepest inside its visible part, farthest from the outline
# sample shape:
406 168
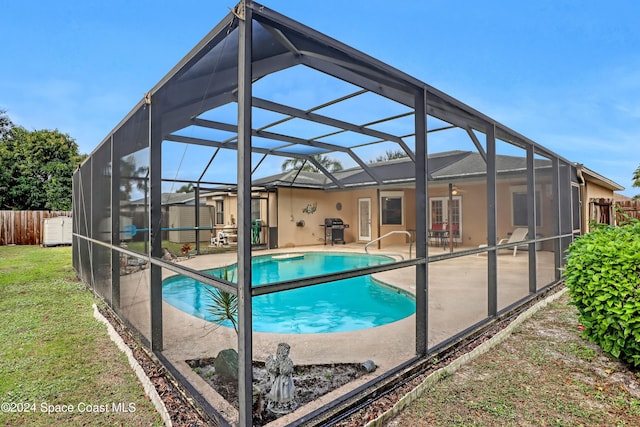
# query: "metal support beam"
400 96
115 225
245 336
422 285
531 217
325 120
204 172
479 147
92 268
492 227
188 101
555 209
294 140
255 168
197 216
298 283
450 217
155 225
210 143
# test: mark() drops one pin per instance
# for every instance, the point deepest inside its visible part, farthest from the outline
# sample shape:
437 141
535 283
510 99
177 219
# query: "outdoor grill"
334 230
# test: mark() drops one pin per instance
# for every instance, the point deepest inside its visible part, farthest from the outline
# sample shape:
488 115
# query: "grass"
544 374
54 354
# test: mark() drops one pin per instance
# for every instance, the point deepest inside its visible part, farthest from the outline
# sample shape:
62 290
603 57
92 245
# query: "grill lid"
330 222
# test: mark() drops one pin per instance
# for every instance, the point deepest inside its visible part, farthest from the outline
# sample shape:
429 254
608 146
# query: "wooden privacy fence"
24 227
629 208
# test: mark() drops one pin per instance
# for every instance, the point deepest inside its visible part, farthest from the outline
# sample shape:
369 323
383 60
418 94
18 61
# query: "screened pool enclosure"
195 169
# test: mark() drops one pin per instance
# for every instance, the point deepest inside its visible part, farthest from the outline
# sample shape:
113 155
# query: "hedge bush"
603 277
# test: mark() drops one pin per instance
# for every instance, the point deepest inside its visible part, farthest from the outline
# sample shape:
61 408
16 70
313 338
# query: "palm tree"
328 163
223 305
390 155
187 188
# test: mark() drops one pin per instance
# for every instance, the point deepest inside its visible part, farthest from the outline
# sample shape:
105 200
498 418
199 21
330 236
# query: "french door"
364 219
442 214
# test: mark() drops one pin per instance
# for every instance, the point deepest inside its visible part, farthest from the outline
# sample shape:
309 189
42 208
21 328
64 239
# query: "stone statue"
280 368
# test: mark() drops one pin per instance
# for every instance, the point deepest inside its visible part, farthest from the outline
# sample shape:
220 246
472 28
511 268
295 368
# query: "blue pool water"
345 305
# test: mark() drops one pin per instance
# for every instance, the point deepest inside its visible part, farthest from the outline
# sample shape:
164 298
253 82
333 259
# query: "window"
255 209
219 211
391 207
519 207
437 211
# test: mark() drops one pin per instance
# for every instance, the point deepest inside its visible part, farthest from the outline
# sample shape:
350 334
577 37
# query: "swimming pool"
345 305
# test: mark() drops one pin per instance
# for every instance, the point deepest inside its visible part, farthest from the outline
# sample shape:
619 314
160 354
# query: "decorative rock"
368 365
226 365
167 255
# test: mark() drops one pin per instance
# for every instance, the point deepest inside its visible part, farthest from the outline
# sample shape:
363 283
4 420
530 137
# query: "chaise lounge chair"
518 235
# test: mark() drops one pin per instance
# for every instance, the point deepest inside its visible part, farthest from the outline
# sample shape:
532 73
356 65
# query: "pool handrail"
366 247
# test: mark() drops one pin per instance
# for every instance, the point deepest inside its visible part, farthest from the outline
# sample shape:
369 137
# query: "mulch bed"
311 382
181 411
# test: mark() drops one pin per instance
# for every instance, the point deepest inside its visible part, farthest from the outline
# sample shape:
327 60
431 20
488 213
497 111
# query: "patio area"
457 301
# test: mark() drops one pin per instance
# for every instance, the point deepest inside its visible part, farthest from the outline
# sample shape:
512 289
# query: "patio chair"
436 235
220 239
518 235
223 238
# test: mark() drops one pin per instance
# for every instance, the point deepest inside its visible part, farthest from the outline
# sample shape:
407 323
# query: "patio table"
440 237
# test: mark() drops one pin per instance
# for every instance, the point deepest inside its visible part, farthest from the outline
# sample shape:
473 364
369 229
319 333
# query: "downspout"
584 204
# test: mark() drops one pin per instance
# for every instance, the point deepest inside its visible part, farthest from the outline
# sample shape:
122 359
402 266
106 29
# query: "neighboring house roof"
440 166
396 171
399 170
293 178
443 166
591 176
473 164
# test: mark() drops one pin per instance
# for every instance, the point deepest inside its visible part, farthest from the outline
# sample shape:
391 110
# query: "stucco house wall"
296 215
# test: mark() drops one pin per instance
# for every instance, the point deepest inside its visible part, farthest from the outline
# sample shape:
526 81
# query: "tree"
187 188
389 155
36 168
327 162
132 176
5 124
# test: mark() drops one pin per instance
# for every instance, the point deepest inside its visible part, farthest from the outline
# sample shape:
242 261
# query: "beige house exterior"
597 195
293 214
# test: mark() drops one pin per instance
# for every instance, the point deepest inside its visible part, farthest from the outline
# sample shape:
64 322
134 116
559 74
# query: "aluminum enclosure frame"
250 43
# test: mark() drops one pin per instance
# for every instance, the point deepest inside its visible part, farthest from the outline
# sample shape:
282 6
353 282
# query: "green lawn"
57 364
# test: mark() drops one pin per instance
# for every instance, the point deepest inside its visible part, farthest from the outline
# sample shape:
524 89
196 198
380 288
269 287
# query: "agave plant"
223 305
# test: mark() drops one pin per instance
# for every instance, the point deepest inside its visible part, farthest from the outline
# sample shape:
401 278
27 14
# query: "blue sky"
566 74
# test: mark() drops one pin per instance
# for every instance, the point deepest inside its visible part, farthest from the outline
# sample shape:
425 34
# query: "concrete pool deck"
457 300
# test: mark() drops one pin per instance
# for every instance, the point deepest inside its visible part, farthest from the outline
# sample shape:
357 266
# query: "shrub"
603 277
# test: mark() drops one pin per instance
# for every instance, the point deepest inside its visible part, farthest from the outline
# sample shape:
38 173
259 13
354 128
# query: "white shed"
57 231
